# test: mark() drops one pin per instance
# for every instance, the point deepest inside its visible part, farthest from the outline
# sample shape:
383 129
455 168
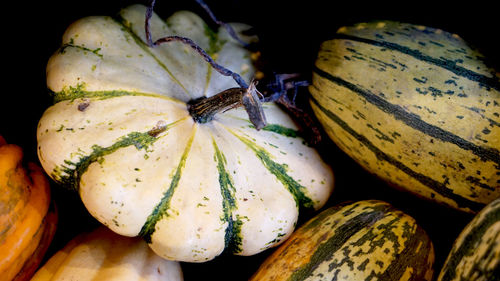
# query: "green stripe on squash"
232 239
279 171
415 106
162 207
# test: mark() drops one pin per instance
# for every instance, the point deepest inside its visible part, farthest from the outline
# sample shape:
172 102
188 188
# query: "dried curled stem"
219 68
228 27
204 109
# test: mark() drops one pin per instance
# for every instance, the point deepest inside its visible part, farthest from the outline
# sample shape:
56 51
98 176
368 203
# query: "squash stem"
204 109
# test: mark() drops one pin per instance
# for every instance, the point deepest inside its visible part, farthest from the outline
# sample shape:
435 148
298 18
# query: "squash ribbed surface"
120 134
415 106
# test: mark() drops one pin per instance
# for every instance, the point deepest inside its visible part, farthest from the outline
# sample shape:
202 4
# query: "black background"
290 34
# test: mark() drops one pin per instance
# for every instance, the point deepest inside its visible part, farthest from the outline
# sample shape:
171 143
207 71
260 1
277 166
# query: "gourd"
475 254
27 217
121 135
415 106
364 240
105 255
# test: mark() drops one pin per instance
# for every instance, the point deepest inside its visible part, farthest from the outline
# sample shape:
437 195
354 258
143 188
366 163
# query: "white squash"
120 133
103 255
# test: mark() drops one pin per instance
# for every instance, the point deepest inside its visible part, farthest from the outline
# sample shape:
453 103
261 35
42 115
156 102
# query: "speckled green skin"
414 105
364 240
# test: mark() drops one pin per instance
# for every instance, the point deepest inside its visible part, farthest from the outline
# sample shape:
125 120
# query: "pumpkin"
27 217
415 106
120 134
105 255
364 240
475 255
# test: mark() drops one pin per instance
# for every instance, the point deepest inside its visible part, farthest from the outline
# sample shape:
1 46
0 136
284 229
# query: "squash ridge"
160 210
69 175
232 239
279 171
145 47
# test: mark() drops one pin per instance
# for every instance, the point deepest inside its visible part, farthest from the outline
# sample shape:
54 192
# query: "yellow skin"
409 108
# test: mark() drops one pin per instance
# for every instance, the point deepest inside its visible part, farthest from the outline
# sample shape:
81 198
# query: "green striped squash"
120 134
414 105
475 255
364 240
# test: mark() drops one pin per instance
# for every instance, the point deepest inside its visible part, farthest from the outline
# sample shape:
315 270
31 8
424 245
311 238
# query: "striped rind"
120 134
364 240
415 106
475 254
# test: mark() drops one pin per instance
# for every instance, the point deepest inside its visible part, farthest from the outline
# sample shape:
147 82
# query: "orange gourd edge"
28 218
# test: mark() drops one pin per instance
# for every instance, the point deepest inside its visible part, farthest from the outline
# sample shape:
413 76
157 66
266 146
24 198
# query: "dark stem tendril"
228 27
277 90
204 109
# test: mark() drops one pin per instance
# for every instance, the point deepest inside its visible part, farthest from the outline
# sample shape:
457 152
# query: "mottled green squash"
121 135
475 255
414 105
365 240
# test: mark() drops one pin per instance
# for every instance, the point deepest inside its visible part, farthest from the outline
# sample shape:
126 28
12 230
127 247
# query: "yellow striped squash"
475 255
364 240
102 255
414 105
120 134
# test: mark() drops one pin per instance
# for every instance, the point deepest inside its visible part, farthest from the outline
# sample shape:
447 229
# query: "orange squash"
27 218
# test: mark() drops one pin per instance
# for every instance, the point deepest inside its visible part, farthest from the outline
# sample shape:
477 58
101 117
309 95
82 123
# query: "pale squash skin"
475 254
415 106
103 255
27 219
363 240
191 190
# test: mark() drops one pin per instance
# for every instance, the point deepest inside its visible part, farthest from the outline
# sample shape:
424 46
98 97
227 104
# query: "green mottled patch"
280 172
78 92
70 173
337 239
276 240
214 44
160 210
281 130
232 239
